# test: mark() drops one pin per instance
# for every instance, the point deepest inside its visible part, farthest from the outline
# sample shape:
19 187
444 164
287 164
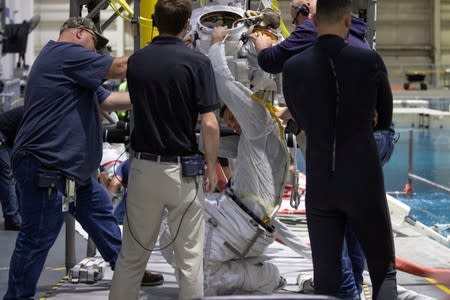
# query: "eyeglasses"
88 30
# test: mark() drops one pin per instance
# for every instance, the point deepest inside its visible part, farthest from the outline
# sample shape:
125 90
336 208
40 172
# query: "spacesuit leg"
244 276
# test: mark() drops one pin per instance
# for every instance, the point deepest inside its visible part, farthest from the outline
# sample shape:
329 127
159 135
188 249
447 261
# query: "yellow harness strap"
272 110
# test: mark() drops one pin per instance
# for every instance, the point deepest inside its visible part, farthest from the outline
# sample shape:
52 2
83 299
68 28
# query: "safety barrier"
412 176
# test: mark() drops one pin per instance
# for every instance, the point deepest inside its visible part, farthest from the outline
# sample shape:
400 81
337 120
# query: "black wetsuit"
344 176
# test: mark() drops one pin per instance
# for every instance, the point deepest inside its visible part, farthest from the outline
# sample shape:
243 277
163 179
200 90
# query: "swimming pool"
431 160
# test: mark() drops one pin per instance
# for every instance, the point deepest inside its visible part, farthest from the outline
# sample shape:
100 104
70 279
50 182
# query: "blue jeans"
8 197
42 219
353 262
385 144
357 257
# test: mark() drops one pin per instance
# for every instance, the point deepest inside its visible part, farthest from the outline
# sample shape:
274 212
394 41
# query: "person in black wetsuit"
332 90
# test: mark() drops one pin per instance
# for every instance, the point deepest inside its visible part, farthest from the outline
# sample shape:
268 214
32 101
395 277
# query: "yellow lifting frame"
147 32
146 28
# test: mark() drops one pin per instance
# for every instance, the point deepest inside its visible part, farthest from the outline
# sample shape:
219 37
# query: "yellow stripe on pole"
125 6
284 31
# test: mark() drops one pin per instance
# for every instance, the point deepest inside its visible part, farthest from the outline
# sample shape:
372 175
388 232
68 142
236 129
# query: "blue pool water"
431 160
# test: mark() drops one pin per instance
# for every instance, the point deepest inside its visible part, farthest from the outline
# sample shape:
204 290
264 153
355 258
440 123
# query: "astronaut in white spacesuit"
238 225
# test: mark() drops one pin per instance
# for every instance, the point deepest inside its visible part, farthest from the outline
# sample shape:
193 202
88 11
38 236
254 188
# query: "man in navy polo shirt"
60 138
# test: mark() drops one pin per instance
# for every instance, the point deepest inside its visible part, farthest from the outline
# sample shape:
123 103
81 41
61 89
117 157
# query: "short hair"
331 11
171 15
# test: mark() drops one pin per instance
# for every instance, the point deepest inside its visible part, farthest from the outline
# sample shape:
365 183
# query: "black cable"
178 229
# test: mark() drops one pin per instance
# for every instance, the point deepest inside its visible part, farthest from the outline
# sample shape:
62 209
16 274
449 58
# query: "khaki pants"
152 187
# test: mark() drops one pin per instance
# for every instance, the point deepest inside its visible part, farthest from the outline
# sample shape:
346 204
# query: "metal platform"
410 245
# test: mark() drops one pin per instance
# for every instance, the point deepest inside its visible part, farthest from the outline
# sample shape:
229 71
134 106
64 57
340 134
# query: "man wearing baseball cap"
58 143
87 25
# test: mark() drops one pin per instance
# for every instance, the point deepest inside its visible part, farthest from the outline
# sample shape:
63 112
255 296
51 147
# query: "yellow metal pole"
284 30
147 32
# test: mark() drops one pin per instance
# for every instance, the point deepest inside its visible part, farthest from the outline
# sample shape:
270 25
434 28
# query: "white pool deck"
411 243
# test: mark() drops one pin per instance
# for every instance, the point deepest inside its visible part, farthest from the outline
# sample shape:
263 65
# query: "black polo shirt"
169 85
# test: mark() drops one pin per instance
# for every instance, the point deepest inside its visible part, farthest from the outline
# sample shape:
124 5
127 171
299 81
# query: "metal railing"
411 175
70 253
70 242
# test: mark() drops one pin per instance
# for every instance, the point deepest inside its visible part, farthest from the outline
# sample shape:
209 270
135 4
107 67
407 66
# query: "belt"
229 192
157 158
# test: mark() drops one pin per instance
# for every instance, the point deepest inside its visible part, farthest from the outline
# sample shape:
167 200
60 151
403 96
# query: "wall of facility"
16 11
54 12
412 35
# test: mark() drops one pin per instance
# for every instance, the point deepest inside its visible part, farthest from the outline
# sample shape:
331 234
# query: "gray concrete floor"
54 268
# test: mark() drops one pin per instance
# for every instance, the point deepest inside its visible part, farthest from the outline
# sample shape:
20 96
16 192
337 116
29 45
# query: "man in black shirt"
9 122
170 85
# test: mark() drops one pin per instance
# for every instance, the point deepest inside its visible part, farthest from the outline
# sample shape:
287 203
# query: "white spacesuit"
234 239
